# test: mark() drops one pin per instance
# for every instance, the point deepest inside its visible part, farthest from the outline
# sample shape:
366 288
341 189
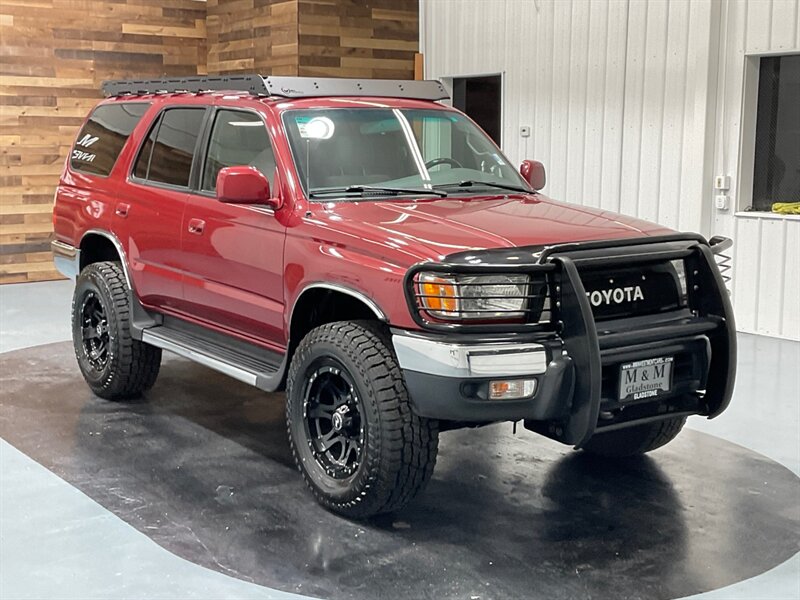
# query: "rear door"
234 253
149 211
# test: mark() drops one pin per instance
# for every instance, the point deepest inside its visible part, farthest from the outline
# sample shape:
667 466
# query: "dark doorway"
777 158
481 99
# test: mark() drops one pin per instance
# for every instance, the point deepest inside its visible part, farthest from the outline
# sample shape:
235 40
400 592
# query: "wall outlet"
721 201
525 131
722 182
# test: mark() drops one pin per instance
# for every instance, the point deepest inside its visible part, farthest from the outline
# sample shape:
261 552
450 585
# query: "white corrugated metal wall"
767 251
622 100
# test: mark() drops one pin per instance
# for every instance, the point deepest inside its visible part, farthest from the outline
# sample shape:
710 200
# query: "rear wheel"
635 440
358 445
115 365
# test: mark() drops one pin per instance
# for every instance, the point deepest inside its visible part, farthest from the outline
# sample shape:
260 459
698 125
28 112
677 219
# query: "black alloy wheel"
333 419
94 331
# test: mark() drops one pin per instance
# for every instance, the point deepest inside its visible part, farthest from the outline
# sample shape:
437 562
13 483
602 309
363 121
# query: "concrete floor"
57 542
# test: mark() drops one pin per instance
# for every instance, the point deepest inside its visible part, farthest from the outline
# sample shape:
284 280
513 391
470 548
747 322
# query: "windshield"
341 148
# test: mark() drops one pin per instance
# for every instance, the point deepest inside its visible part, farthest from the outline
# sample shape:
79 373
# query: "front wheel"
358 445
635 440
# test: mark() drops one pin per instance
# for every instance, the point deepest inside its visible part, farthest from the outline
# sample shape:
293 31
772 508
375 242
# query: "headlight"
473 296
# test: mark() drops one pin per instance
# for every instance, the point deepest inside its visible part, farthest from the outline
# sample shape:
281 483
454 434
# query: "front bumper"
449 379
577 364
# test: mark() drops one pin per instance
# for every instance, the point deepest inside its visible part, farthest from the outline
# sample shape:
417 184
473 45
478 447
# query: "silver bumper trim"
424 355
67 258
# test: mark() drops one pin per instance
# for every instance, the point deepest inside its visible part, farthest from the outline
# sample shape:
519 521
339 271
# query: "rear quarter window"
104 135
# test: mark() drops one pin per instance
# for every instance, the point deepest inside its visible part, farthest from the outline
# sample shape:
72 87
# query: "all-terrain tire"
126 367
398 452
635 440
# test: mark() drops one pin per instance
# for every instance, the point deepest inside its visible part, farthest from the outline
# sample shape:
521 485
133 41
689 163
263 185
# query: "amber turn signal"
438 294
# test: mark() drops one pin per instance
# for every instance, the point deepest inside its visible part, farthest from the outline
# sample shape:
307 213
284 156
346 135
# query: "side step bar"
245 362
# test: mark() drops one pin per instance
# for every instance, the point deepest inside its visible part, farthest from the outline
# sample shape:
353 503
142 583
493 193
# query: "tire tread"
135 365
408 444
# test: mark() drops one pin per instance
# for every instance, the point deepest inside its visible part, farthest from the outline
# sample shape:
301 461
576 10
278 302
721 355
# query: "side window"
238 138
166 156
143 161
103 136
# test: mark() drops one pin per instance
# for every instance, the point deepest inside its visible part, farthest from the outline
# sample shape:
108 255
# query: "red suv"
373 252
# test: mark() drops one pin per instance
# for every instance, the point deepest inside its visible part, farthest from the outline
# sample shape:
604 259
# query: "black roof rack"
286 87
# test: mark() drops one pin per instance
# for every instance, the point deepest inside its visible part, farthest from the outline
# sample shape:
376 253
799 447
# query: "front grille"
632 291
625 278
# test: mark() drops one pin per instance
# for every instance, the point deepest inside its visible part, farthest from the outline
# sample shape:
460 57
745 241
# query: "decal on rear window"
104 135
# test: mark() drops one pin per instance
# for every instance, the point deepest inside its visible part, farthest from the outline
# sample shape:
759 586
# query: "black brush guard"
707 320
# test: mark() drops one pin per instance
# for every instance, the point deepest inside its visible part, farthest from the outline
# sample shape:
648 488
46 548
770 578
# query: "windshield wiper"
475 183
376 189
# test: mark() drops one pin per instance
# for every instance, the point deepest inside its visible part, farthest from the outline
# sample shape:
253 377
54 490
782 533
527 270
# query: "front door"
233 253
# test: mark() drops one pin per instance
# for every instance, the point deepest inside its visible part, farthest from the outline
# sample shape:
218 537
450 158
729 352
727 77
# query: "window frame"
155 124
197 189
72 169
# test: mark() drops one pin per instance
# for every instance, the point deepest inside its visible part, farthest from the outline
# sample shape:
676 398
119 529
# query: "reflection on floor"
201 466
195 471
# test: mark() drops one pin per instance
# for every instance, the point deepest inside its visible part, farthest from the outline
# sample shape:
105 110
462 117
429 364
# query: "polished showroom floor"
190 493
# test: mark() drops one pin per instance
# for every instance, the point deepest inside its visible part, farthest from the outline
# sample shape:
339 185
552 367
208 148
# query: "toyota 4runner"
373 252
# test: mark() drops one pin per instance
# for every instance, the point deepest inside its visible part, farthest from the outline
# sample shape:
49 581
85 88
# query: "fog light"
511 389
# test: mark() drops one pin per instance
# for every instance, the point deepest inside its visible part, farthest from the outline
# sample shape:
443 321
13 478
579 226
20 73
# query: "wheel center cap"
339 418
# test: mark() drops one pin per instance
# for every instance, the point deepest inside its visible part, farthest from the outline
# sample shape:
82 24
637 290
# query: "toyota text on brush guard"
372 252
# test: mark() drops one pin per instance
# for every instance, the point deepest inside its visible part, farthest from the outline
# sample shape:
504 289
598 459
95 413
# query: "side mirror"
244 185
533 172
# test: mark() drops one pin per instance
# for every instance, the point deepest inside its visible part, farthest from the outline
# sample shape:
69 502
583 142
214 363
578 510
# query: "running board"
247 363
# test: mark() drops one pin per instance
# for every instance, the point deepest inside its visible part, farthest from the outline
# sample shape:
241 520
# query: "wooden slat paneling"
252 36
54 55
358 38
328 38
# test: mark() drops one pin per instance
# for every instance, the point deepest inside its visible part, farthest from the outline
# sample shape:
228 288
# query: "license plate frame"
645 379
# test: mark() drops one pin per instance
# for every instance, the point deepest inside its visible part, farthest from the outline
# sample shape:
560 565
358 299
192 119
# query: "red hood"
432 229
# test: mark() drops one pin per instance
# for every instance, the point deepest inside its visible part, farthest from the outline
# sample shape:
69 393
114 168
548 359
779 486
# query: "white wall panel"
634 106
767 247
602 84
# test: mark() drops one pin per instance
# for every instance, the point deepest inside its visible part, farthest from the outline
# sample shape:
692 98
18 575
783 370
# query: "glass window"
776 175
343 147
238 138
166 156
103 136
143 160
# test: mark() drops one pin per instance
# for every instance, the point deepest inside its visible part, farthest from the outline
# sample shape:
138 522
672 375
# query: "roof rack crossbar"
286 87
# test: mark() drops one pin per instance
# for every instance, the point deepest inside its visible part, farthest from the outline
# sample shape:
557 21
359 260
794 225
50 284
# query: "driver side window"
238 138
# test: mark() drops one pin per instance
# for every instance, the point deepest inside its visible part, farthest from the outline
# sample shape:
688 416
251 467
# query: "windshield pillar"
412 144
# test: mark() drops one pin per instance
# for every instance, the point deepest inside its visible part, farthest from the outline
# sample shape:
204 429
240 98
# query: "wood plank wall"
358 38
54 55
252 36
330 38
